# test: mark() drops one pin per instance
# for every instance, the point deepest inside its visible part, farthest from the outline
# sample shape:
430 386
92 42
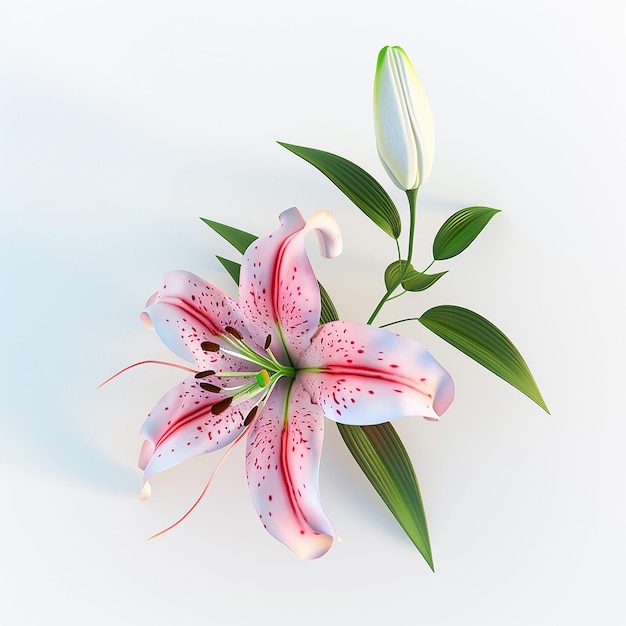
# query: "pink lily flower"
267 369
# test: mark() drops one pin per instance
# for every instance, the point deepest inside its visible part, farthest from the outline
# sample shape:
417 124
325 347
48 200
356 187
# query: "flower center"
256 382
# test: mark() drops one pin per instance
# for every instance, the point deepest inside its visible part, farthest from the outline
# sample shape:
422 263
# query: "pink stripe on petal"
187 311
278 289
181 426
282 461
368 375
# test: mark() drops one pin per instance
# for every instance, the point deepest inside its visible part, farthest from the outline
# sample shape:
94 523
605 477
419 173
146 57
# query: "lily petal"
278 289
364 375
282 460
328 233
181 426
187 311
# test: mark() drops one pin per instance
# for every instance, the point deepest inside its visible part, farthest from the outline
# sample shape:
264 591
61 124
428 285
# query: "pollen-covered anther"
209 346
250 416
221 406
205 374
268 341
210 387
234 332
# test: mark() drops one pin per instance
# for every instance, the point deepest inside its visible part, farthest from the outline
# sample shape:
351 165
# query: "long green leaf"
458 231
355 183
384 460
240 239
482 341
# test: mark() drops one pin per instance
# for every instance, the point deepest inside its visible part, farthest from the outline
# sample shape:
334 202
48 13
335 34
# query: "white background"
122 122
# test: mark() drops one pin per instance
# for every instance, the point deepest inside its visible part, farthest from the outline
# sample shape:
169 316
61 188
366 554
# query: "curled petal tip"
292 218
328 233
152 299
310 550
145 454
146 490
146 321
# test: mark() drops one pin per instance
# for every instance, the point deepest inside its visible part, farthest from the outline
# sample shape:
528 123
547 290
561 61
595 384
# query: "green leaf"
460 230
483 342
393 274
384 460
232 267
355 183
412 280
238 238
417 281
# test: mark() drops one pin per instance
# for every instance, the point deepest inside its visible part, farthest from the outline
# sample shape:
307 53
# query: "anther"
234 332
250 415
268 341
211 388
209 346
205 374
221 406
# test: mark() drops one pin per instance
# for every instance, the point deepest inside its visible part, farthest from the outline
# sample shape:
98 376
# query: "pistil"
260 382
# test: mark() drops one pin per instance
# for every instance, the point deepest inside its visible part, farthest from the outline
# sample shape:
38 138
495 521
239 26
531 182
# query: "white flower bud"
405 130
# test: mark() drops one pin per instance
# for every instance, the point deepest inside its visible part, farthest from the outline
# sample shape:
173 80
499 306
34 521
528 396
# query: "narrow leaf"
231 267
238 238
458 231
384 460
355 183
483 342
417 281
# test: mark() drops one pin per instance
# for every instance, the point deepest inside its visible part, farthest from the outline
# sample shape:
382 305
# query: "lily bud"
405 130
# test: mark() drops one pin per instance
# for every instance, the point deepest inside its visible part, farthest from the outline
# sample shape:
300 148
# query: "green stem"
406 319
412 196
379 306
396 296
429 266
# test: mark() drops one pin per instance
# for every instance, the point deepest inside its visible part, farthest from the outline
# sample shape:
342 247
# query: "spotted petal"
181 426
364 375
278 289
282 461
187 311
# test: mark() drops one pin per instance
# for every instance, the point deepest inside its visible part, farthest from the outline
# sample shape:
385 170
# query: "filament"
181 367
